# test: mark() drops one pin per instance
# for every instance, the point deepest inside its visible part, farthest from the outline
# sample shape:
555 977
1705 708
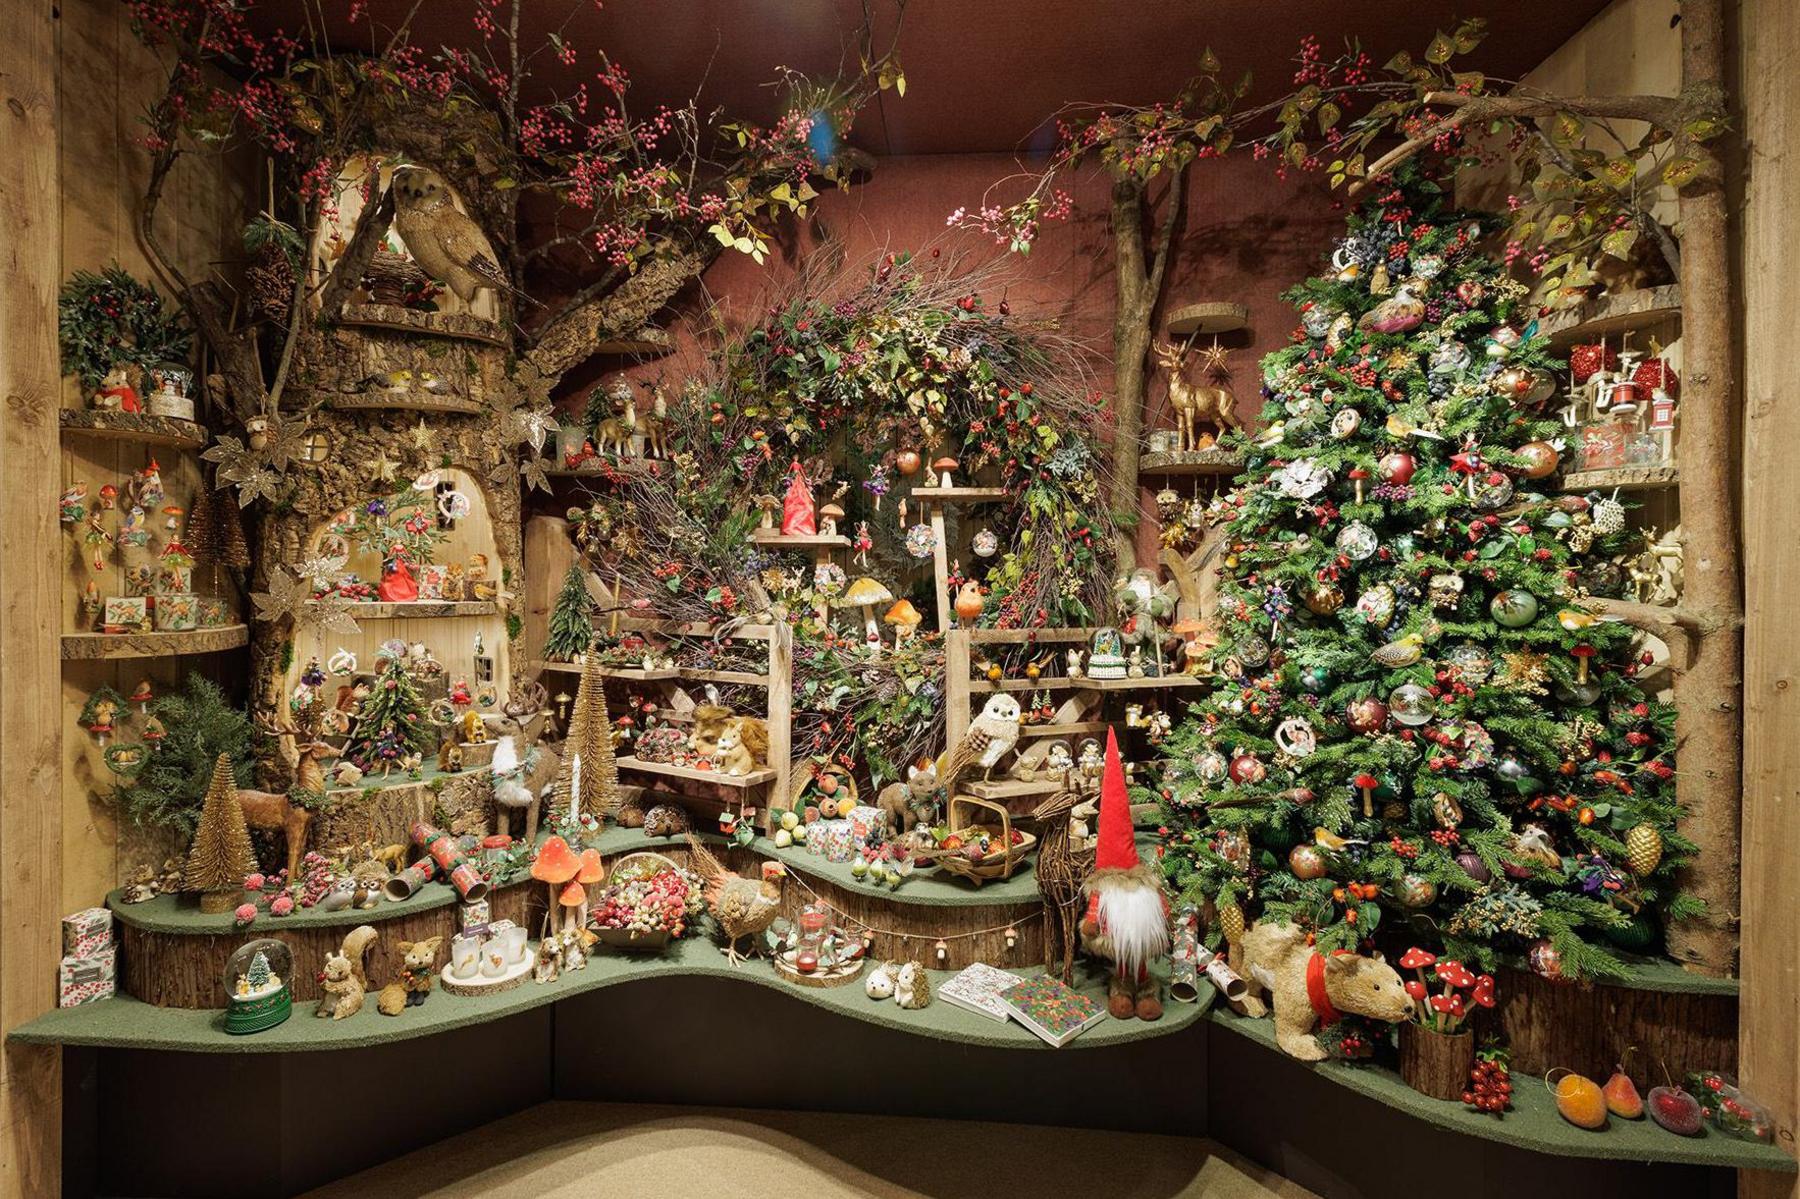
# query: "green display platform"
1533 1123
124 1023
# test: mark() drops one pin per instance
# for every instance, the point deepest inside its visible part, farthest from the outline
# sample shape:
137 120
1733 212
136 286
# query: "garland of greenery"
110 318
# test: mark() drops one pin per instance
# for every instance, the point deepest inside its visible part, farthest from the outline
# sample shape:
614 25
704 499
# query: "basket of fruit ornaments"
979 841
646 902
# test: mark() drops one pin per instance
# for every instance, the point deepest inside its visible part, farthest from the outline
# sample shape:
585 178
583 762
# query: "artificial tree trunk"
1140 284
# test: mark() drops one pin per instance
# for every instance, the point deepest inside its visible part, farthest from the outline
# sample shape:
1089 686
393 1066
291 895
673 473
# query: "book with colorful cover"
1057 1014
979 988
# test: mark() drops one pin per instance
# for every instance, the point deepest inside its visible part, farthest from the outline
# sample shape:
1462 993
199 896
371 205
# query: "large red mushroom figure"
1127 916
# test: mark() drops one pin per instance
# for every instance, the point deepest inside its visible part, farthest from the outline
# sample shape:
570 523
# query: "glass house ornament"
1411 705
1357 541
257 986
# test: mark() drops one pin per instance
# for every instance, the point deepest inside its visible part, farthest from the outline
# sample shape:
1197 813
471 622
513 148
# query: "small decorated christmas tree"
258 975
571 620
390 721
221 856
215 534
589 762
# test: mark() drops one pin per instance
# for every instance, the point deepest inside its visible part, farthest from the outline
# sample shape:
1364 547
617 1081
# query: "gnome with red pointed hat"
1127 916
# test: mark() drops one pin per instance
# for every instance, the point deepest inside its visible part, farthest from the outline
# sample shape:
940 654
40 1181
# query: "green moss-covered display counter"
1533 1123
125 1023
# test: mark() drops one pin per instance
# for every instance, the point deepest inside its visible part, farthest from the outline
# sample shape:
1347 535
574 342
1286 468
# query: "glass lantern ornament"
810 944
258 994
1411 705
1514 609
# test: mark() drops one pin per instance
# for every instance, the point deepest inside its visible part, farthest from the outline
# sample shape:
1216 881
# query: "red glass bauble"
1366 715
1246 768
1397 467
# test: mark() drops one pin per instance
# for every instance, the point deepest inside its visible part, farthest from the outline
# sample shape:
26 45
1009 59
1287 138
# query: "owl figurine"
444 240
990 737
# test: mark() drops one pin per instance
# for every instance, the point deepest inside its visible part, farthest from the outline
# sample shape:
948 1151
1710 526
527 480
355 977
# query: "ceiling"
982 75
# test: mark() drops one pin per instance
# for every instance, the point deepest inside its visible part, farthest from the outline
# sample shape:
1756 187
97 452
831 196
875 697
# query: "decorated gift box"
177 613
125 614
174 580
865 820
213 611
140 578
87 932
83 980
834 840
431 581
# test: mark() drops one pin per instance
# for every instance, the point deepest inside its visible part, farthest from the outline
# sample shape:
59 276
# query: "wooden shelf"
1533 1122
1001 789
962 495
421 401
1212 461
1210 317
1625 478
1081 728
1065 684
799 541
647 342
131 426
717 778
419 609
464 325
748 678
601 468
82 647
1612 316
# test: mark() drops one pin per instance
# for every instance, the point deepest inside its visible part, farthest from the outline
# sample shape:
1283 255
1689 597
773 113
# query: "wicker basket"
963 823
635 866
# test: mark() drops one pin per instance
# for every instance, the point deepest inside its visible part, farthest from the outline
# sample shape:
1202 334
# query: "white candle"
575 788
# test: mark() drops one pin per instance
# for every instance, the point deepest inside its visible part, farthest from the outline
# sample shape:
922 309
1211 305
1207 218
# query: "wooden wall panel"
30 828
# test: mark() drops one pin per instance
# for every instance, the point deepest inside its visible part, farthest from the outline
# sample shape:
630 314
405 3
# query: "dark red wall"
1246 236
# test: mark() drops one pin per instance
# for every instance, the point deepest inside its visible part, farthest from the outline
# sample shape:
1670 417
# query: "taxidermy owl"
445 241
990 737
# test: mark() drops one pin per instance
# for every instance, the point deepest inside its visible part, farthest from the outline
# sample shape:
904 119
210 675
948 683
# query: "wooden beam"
30 457
1768 39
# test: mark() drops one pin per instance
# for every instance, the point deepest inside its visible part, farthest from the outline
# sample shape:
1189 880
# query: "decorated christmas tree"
390 721
1419 716
220 857
571 619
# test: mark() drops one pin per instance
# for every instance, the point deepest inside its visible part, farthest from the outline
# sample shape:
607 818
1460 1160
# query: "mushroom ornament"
829 516
905 618
865 593
555 866
943 466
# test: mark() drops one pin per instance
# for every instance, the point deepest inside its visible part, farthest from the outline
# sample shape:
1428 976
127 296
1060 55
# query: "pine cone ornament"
1643 849
270 280
1655 374
1231 922
1585 360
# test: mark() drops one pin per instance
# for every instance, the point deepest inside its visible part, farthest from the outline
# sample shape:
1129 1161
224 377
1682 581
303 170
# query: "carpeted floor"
598 1151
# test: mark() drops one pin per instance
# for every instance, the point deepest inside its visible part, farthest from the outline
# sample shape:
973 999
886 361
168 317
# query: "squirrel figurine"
417 969
344 981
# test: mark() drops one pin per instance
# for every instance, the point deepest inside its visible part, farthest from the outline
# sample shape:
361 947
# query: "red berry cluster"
1490 1087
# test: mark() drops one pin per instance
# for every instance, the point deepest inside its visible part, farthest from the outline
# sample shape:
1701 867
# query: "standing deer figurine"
1193 403
1061 868
613 436
302 748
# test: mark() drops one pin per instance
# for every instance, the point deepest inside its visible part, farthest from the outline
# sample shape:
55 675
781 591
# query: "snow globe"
257 993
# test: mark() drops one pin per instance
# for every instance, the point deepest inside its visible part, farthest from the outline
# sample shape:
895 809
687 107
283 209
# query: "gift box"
177 613
474 916
213 611
125 614
431 582
140 579
174 580
87 932
865 820
833 840
83 980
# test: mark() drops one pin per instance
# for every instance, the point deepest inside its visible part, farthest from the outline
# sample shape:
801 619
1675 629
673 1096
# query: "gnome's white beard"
1133 920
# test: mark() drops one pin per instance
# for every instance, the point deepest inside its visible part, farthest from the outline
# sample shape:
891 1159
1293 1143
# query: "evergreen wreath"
108 318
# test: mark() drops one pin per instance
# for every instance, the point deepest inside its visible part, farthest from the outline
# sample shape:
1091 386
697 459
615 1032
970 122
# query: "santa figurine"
797 509
1127 915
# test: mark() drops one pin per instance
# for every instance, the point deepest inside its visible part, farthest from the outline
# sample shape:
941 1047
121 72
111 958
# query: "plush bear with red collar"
1127 915
1308 988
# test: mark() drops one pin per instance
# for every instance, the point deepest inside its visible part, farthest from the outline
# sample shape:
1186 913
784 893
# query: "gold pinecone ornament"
1231 922
1643 849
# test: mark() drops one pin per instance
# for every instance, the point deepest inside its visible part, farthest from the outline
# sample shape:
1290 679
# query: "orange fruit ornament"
1579 1099
1622 1098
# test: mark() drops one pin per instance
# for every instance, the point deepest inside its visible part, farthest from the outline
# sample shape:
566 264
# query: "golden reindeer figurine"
1194 403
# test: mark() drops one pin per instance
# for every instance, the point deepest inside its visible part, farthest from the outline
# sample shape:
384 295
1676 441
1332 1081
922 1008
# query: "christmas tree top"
1419 714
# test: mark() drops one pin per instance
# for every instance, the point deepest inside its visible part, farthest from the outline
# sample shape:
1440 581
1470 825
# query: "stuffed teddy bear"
1308 988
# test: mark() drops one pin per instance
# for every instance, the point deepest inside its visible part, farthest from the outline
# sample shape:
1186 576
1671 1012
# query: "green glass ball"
1514 609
